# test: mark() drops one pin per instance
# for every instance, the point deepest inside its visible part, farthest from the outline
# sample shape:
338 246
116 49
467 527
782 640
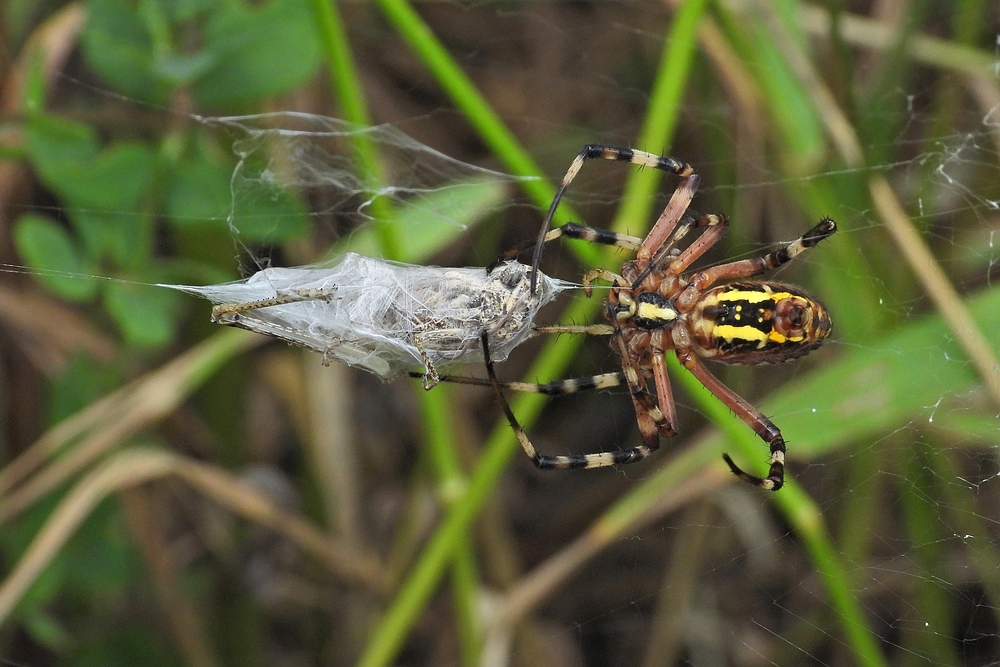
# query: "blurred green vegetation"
791 111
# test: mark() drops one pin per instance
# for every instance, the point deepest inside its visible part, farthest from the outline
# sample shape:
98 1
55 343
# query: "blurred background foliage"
173 494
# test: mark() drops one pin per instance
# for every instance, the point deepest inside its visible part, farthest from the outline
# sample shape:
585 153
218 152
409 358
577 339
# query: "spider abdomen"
757 323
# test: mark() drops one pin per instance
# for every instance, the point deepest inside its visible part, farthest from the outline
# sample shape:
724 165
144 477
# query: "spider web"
314 157
900 459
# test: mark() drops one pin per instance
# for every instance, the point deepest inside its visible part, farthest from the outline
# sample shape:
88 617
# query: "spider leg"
746 268
671 215
590 152
664 392
652 422
430 377
715 225
602 274
753 417
572 230
557 388
586 329
522 437
575 230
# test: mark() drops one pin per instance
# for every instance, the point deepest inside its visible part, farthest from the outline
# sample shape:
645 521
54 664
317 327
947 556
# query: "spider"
654 305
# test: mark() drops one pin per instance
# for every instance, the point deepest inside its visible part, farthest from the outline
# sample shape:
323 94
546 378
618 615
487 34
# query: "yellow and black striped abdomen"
757 323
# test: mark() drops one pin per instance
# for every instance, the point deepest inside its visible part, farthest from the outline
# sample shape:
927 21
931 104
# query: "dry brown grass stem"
110 421
536 586
139 466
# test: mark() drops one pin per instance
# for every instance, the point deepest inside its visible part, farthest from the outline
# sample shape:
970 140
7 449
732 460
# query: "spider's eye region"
625 308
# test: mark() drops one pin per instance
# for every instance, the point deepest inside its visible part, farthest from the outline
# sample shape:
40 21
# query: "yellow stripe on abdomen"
731 332
755 296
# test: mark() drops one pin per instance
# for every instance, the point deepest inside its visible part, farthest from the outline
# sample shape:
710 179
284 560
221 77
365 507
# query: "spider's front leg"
572 230
595 151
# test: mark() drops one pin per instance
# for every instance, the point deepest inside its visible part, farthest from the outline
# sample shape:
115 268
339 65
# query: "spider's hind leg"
753 417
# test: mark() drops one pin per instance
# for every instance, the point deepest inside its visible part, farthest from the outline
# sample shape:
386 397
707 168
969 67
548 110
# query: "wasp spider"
655 305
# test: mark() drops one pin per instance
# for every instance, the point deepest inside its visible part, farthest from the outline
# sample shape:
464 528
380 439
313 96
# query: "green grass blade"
477 110
348 90
388 227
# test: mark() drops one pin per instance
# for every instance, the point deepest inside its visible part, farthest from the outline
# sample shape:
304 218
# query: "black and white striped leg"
746 268
591 152
650 415
576 231
557 388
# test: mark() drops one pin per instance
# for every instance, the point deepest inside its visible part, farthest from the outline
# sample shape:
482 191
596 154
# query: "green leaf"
117 179
102 555
45 245
126 239
70 162
126 645
432 222
118 45
181 69
258 52
53 141
146 315
795 119
185 10
45 629
34 90
199 193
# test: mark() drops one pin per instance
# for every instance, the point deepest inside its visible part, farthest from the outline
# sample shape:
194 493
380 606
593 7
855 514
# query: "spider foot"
774 481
